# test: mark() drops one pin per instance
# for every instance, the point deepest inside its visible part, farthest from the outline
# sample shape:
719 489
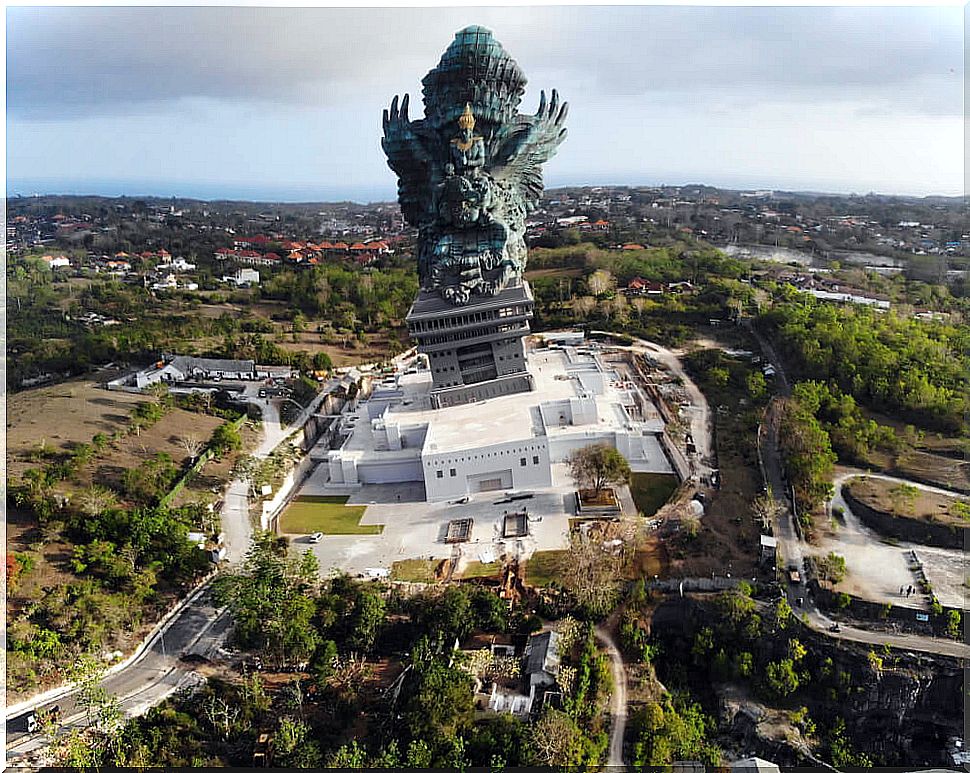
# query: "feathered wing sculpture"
520 152
409 149
470 210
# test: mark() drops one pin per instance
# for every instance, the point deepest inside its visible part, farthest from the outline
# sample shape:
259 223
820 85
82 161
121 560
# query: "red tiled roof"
341 246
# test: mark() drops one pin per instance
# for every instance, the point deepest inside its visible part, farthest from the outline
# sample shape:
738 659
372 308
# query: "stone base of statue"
475 351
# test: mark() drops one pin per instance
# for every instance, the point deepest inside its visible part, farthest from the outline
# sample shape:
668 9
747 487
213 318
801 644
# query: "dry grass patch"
415 570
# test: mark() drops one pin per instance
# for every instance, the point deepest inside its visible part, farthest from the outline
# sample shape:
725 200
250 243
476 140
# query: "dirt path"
701 421
618 701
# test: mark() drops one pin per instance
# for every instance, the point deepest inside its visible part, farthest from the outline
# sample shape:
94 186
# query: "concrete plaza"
414 528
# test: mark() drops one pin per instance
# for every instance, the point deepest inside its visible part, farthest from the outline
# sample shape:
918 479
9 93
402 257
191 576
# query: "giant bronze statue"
470 170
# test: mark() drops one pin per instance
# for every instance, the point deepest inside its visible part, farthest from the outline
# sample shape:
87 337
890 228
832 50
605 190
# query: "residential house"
640 286
56 261
179 368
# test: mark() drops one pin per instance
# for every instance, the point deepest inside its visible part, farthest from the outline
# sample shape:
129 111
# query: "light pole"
298 405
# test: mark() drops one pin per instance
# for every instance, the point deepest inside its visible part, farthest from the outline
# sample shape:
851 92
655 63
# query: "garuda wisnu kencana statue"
470 170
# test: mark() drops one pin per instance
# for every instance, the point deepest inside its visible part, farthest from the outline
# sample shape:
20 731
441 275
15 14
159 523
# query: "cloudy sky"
273 103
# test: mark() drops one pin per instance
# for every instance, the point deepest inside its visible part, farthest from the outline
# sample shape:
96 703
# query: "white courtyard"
416 468
414 528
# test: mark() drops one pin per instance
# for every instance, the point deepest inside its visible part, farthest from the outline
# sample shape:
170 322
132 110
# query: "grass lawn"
414 570
650 490
330 515
545 566
478 569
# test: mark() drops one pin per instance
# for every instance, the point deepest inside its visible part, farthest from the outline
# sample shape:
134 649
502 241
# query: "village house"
643 287
518 686
56 261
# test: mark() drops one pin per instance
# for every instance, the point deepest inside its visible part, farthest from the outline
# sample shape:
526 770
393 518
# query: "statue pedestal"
476 351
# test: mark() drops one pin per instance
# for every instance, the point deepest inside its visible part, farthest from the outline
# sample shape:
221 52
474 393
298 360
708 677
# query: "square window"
453 472
535 459
440 473
522 462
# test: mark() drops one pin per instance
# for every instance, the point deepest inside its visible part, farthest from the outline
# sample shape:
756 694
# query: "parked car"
317 536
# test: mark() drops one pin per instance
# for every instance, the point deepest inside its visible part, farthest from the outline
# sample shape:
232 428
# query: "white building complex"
508 442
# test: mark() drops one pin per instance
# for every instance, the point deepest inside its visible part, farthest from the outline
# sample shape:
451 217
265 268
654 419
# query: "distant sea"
205 191
365 193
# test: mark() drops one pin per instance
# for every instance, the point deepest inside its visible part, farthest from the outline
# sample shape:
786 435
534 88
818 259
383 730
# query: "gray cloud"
71 62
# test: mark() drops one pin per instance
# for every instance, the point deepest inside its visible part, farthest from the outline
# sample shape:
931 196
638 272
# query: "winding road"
195 627
618 701
793 549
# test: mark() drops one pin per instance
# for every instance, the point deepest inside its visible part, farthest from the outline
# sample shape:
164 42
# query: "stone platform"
475 351
508 442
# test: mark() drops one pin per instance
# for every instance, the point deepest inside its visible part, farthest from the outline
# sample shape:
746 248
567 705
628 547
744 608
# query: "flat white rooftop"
510 417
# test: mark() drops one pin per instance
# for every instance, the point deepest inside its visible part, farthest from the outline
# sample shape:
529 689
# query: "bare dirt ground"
542 273
62 416
931 457
375 348
162 437
922 506
50 562
208 485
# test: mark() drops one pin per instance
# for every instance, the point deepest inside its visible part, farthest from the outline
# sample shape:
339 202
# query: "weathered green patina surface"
470 170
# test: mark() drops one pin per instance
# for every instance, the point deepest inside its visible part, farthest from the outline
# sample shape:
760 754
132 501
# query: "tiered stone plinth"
476 351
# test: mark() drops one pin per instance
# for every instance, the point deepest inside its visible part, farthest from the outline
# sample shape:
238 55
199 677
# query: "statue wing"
406 144
520 153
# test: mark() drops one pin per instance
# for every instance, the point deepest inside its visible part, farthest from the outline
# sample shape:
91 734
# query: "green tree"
594 467
437 700
781 678
674 729
272 601
293 745
832 568
953 620
225 438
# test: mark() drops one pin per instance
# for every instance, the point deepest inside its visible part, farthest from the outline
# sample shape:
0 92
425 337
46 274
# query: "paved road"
198 628
618 701
792 547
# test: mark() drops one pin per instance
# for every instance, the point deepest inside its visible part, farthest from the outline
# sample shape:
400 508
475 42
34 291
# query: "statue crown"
467 120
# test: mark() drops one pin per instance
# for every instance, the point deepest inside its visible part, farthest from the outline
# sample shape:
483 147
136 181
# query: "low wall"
293 479
901 617
199 463
675 457
907 529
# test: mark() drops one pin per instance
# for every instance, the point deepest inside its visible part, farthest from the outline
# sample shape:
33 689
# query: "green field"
329 515
414 570
478 569
650 490
545 567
